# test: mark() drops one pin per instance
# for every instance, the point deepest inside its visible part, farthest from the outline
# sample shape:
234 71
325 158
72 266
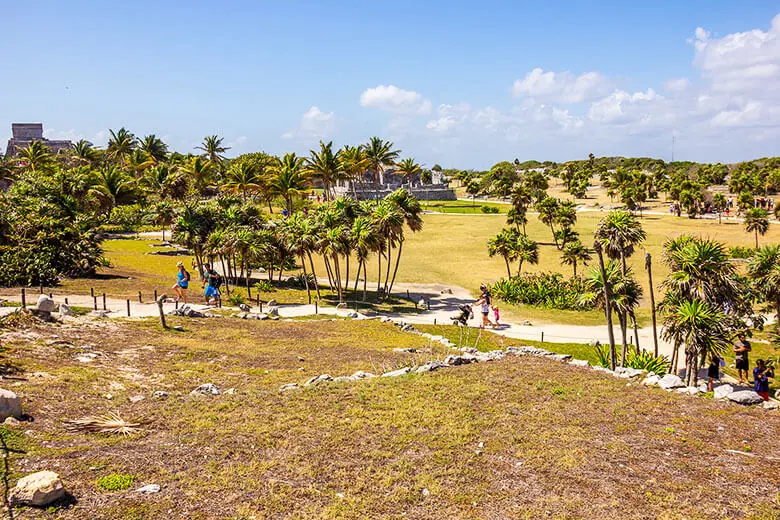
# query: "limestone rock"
341 306
150 488
579 362
651 379
670 381
410 350
396 373
690 390
289 386
560 357
446 291
65 310
161 394
272 303
628 373
206 389
272 311
362 375
770 405
45 304
37 489
464 359
99 314
353 315
722 391
489 356
745 397
318 379
10 405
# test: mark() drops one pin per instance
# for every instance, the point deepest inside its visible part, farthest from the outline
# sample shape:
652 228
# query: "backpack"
216 280
186 275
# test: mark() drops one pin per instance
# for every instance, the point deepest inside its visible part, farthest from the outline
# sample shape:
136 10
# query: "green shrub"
115 482
742 252
546 290
236 298
489 209
264 286
647 361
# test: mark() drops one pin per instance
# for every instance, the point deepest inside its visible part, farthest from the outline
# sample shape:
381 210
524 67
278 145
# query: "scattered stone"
526 323
425 491
410 350
99 314
178 328
318 379
137 399
341 306
528 351
161 394
37 489
422 303
560 357
722 391
89 357
45 304
362 375
10 421
489 356
288 386
150 488
272 303
244 307
206 389
690 390
65 310
187 311
464 359
385 319
272 311
229 391
446 291
769 405
651 379
670 381
10 405
628 373
746 397
396 373
353 315
579 362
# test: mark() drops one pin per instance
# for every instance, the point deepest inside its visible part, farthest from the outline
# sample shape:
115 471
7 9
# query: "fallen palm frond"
109 423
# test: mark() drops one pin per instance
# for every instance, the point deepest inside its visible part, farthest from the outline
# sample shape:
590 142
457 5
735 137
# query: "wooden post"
24 299
41 288
94 302
407 295
160 301
176 304
434 321
542 336
104 302
51 296
607 305
260 304
91 292
139 297
155 295
66 301
316 307
128 307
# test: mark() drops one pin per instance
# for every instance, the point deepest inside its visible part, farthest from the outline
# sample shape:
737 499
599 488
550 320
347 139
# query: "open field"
558 441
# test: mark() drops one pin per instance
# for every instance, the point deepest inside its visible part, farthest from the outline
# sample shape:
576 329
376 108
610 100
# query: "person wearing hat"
484 302
182 282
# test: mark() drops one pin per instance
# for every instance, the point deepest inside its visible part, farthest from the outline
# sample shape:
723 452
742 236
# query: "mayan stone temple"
25 133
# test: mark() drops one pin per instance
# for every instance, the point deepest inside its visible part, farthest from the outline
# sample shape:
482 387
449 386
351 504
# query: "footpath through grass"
517 438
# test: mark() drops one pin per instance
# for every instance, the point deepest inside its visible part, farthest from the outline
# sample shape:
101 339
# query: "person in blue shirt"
182 282
761 376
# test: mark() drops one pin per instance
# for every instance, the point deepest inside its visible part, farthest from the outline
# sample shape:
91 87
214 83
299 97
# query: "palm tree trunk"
379 273
552 230
574 265
346 272
248 289
357 276
756 239
520 267
227 286
397 262
365 280
314 274
636 331
338 278
306 278
607 306
329 270
508 272
649 266
623 332
389 261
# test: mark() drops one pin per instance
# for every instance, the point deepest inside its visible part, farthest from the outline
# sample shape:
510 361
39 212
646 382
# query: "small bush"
236 299
742 252
264 286
647 361
489 209
115 482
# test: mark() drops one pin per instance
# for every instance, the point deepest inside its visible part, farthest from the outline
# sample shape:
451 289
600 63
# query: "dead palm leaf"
110 423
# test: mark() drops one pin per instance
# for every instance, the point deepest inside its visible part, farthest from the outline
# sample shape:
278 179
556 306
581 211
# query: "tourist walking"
713 371
741 349
484 302
761 375
182 282
495 314
213 282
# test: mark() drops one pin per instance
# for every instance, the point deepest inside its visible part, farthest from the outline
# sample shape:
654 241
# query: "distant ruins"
25 133
389 181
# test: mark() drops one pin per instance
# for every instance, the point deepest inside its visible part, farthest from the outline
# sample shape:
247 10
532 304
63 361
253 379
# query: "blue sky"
463 84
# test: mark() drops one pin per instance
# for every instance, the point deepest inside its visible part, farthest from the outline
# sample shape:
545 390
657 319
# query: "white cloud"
560 87
314 124
393 99
621 107
677 85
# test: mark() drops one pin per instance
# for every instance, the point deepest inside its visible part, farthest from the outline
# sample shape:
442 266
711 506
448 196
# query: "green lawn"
460 206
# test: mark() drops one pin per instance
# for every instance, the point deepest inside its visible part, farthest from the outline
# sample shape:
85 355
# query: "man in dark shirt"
741 349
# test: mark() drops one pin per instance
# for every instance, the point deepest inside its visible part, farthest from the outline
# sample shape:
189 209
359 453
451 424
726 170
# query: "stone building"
25 133
390 181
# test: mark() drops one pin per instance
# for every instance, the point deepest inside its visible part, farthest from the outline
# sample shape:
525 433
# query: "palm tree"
410 210
154 147
380 154
289 179
199 171
504 245
83 152
213 149
764 271
600 293
527 251
35 156
354 164
388 219
114 187
719 204
242 178
548 212
326 166
757 220
408 168
121 144
365 240
649 268
619 232
573 253
138 162
701 328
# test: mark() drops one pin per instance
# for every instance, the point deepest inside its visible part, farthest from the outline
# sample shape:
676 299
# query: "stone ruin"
25 133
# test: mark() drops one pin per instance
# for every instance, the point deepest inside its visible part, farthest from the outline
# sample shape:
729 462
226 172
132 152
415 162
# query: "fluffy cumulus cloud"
726 109
314 124
560 87
393 99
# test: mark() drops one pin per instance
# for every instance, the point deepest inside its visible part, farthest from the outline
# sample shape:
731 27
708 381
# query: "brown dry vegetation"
559 441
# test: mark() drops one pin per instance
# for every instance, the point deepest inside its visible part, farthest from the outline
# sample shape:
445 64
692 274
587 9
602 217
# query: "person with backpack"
182 282
213 283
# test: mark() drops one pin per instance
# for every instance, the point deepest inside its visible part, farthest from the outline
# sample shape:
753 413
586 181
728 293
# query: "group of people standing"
485 303
212 282
761 373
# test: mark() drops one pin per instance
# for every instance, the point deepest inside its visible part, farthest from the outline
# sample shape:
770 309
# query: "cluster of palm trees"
242 241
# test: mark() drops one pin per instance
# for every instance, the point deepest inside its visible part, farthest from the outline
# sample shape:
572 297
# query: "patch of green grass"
115 482
465 207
